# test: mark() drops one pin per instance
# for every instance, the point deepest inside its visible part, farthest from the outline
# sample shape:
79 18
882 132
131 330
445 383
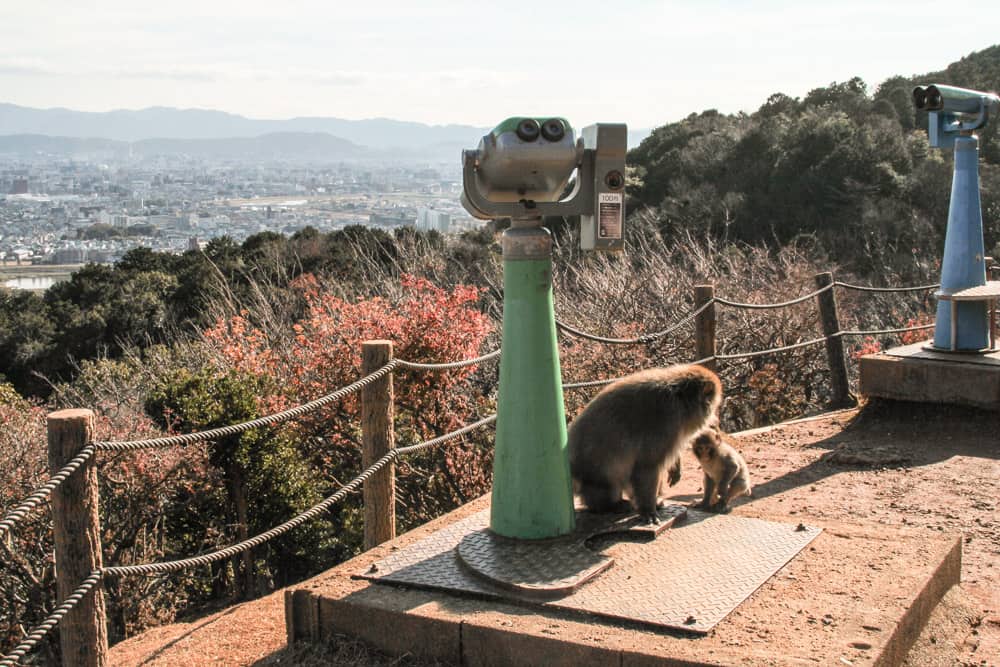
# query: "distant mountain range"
168 123
315 146
163 130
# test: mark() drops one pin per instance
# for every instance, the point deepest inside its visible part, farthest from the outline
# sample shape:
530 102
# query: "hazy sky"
642 62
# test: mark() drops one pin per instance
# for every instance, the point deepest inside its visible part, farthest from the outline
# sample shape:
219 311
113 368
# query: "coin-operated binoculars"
521 171
954 114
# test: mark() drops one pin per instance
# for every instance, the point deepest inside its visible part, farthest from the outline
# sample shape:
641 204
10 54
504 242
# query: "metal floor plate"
544 568
558 566
689 578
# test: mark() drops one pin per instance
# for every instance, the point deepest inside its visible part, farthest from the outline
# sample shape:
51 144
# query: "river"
34 283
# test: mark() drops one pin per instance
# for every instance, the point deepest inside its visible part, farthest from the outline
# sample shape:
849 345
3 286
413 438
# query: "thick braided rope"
773 350
443 367
234 429
43 628
875 332
39 496
312 512
865 288
769 306
443 438
591 383
643 338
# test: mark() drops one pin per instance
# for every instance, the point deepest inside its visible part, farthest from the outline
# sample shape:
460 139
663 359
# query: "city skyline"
444 62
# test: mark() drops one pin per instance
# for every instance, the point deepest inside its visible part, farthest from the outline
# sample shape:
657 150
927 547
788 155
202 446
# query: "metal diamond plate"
688 579
557 566
543 568
631 525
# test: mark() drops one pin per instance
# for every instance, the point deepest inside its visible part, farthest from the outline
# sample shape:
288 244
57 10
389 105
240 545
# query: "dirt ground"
922 467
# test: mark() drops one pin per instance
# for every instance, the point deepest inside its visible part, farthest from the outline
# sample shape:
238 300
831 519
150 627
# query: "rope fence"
311 513
495 354
703 315
590 383
653 336
773 350
866 288
773 306
879 332
236 429
643 338
166 567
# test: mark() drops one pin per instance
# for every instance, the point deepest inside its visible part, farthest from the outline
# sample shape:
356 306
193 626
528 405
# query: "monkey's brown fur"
726 473
634 429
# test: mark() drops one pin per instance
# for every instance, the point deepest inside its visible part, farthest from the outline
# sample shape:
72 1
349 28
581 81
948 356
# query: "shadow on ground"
882 436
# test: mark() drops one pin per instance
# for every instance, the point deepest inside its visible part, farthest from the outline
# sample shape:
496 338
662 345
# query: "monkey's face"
705 444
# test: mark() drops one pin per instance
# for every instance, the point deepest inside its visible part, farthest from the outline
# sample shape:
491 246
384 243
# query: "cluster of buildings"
55 210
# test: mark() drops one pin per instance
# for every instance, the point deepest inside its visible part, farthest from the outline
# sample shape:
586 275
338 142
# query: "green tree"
267 481
27 339
896 92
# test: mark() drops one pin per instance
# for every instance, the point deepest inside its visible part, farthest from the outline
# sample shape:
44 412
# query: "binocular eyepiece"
951 99
921 95
553 129
527 158
953 111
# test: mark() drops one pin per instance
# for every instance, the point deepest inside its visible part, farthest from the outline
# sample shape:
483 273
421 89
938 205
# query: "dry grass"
343 652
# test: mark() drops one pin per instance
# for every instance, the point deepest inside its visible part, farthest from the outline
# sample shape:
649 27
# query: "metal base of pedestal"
930 347
546 569
689 579
558 566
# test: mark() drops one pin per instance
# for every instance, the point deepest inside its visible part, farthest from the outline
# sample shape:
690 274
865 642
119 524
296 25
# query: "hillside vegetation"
849 169
756 204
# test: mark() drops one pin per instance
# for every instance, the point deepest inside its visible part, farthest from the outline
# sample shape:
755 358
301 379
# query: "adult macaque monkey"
633 430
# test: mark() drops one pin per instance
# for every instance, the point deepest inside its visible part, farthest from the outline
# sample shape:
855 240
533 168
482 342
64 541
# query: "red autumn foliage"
867 345
910 337
322 353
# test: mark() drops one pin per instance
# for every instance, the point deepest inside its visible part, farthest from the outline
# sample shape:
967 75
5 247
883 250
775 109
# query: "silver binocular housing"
534 162
952 99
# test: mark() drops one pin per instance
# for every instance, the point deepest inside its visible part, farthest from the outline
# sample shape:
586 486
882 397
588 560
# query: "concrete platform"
857 593
599 576
914 373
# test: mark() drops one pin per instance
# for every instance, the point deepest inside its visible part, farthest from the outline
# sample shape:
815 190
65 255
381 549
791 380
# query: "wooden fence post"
992 273
83 632
377 439
705 325
834 344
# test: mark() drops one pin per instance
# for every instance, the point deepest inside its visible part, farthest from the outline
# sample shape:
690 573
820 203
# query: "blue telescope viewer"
954 114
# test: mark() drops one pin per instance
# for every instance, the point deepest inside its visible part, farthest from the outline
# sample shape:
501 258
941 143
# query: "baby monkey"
633 430
726 473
